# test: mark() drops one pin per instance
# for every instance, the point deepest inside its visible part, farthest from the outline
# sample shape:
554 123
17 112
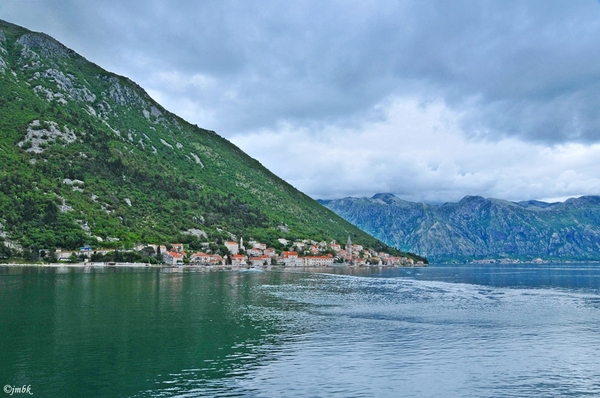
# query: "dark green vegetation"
88 157
478 228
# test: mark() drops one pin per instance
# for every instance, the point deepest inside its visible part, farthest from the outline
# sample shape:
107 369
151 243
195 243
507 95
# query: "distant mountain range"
478 228
88 157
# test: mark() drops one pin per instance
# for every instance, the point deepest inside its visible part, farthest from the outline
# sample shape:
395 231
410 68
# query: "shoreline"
210 268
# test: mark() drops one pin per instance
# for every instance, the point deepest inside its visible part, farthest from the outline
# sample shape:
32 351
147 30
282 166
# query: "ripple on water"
376 337
448 332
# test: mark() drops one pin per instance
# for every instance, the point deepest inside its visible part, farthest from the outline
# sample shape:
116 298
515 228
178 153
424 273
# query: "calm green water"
131 332
439 331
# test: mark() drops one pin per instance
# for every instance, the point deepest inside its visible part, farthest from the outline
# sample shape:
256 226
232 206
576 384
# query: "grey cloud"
569 117
528 69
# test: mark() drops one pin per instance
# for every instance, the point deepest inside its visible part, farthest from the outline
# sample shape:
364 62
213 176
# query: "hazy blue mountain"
479 228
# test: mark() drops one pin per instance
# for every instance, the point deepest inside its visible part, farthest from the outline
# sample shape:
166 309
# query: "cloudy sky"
430 100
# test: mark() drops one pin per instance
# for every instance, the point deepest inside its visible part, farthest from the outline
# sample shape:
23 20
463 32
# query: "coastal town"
298 253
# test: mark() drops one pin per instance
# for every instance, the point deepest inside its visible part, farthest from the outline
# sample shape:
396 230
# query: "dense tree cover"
87 157
124 257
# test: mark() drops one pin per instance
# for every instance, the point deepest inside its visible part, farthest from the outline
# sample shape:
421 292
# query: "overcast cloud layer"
428 100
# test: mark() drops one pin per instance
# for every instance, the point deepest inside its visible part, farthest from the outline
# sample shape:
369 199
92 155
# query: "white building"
173 258
290 259
233 247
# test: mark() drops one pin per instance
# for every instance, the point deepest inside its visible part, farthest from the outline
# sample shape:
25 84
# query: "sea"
518 330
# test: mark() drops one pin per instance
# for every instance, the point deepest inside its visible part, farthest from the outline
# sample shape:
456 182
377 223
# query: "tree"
148 251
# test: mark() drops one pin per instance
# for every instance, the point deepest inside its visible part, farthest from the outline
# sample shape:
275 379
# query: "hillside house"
290 255
291 259
177 247
270 252
254 252
335 247
260 260
173 258
215 259
359 261
200 259
238 260
233 247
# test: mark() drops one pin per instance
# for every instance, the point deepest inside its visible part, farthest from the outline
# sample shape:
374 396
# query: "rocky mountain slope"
88 157
478 228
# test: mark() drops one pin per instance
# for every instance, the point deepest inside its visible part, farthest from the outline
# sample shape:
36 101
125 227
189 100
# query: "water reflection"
76 332
436 331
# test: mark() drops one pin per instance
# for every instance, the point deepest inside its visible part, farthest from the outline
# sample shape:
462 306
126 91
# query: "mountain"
88 157
478 228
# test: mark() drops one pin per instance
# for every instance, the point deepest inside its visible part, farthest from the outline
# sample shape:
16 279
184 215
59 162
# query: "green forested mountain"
478 228
86 156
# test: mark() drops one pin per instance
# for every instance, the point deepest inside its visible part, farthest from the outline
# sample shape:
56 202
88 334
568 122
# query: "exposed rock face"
2 51
121 94
40 135
43 44
476 228
64 84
